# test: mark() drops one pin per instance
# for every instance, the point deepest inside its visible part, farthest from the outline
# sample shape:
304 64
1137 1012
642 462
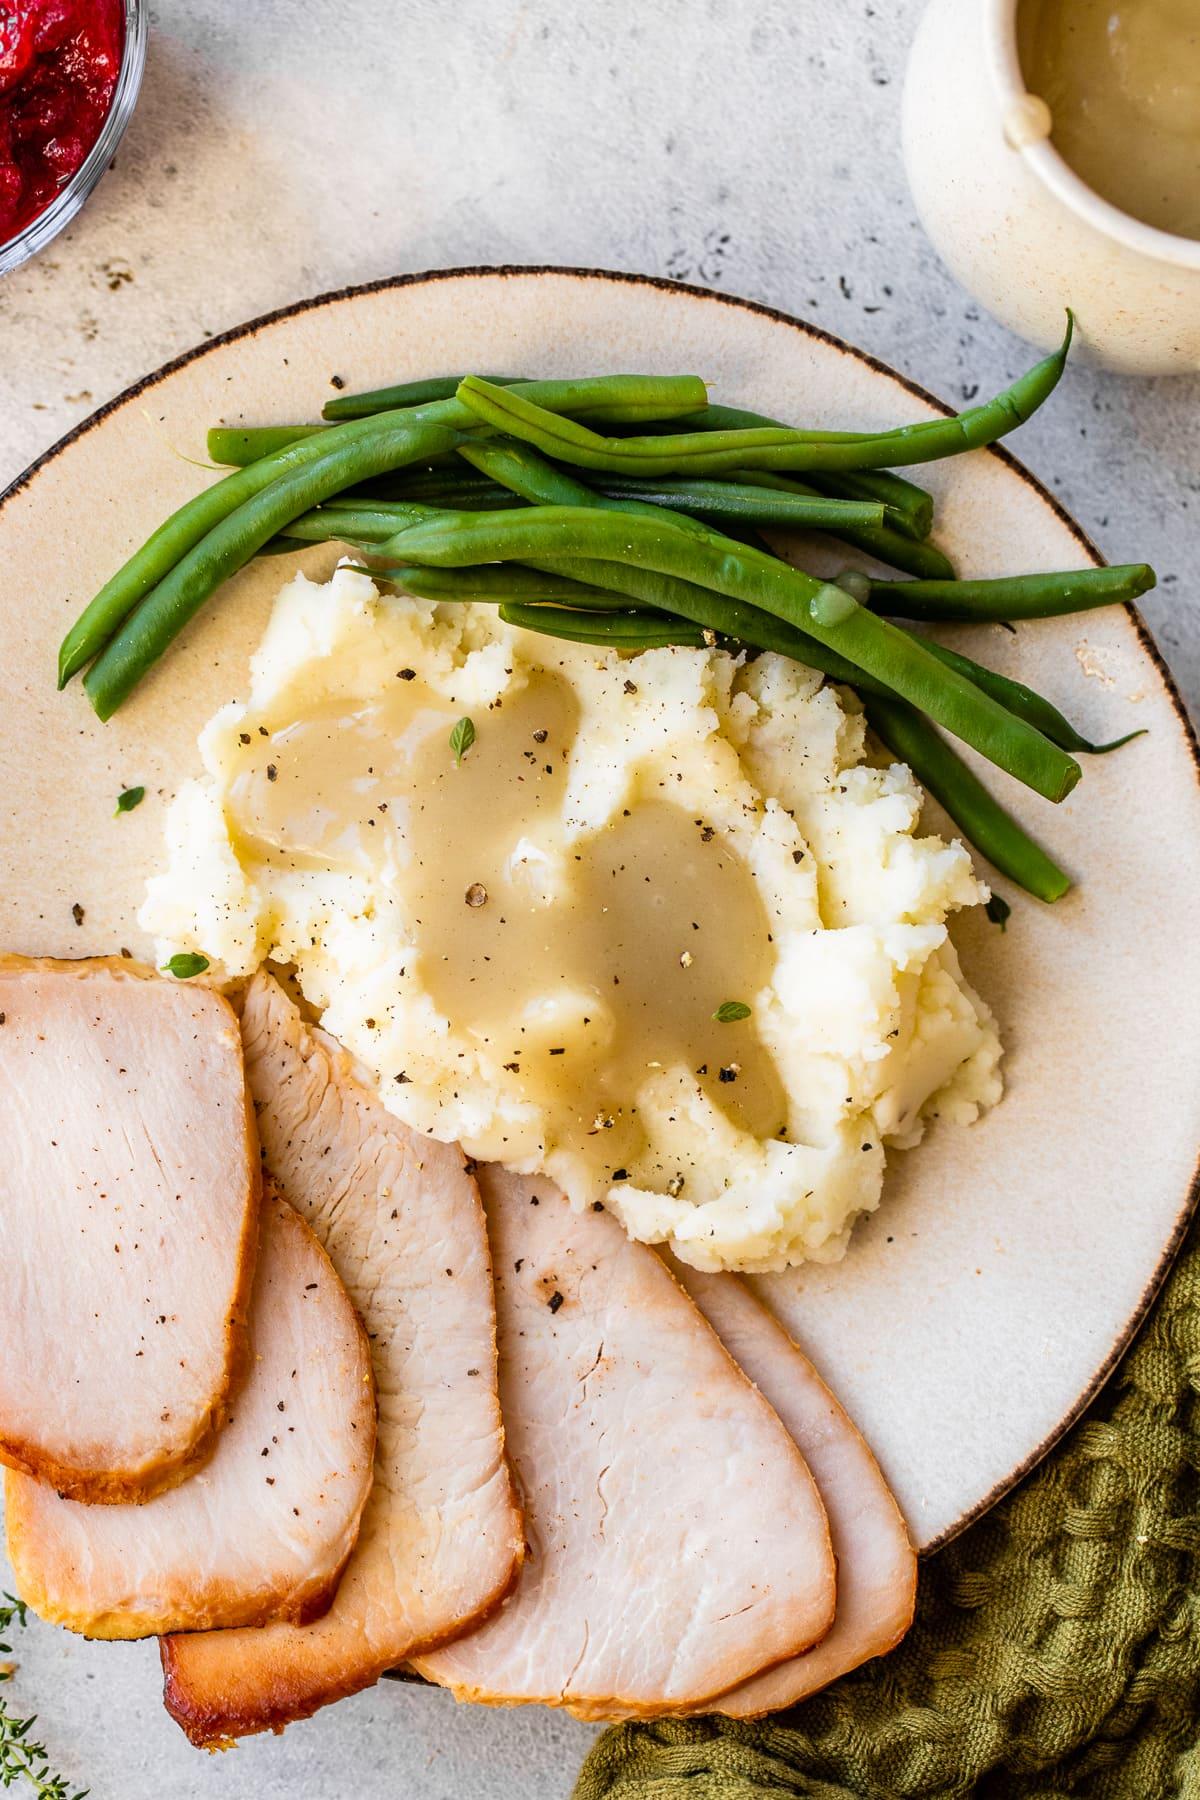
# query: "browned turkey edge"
184 1445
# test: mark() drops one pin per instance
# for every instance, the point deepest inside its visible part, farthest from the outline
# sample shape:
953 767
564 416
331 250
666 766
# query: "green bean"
632 398
700 453
729 502
169 606
1025 703
757 505
732 619
104 615
498 581
821 610
286 546
538 481
884 542
793 507
455 486
619 587
406 393
664 593
186 527
336 522
911 506
621 631
520 469
363 523
1020 700
239 446
1012 597
525 473
981 818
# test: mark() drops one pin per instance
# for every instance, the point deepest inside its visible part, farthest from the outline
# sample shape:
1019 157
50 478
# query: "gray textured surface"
282 149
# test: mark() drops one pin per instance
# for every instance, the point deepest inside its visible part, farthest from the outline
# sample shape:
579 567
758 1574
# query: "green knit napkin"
1056 1648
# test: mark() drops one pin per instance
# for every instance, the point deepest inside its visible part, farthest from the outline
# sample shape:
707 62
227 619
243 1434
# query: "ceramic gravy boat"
1015 223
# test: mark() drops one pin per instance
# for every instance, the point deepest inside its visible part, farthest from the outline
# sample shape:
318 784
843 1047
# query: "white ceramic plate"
1008 1266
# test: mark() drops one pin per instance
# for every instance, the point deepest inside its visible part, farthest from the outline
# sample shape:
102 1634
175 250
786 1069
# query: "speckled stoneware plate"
1008 1266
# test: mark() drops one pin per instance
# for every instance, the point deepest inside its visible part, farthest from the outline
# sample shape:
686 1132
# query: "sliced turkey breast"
441 1537
263 1531
877 1567
676 1543
129 1205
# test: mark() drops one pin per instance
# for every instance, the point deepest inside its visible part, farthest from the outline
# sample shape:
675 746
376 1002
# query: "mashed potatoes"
657 931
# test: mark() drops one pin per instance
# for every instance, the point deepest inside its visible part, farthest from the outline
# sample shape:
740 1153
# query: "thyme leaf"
128 800
184 964
731 1011
461 739
14 1613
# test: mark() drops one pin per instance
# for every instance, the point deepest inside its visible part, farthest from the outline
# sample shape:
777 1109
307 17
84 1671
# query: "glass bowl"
67 202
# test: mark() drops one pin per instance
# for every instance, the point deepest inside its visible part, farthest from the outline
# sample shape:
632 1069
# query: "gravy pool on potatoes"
660 932
654 922
1122 81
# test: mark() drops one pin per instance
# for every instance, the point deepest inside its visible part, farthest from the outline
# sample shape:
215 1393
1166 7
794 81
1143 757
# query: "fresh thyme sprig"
15 1612
21 1759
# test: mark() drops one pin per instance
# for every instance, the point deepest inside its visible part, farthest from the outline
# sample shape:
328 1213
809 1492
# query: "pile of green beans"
884 521
472 488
